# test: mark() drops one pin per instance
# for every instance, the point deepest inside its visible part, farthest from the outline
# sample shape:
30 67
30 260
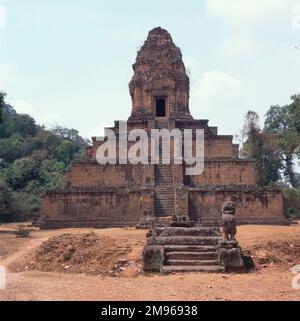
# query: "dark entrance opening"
160 107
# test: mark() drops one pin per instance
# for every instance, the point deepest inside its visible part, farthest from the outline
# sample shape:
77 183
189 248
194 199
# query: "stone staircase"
189 249
164 199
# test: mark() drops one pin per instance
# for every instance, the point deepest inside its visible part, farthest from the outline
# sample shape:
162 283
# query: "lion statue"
228 220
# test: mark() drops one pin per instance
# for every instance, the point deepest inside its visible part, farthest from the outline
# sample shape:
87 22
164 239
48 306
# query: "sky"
69 62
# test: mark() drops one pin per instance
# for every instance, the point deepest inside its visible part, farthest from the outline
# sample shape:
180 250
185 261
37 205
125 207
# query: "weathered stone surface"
159 68
130 195
153 257
192 231
248 262
228 220
230 256
188 249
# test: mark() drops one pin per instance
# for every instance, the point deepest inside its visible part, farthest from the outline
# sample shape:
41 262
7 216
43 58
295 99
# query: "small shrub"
23 231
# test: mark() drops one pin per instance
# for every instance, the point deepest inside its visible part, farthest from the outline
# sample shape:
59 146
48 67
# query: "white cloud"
96 131
50 119
191 66
23 107
249 12
217 96
216 86
240 45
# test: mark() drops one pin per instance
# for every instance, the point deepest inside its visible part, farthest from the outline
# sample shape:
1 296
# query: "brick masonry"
127 195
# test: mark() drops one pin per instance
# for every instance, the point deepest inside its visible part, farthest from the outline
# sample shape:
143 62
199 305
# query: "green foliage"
291 197
11 148
7 210
284 124
263 148
21 172
277 146
32 161
2 96
22 124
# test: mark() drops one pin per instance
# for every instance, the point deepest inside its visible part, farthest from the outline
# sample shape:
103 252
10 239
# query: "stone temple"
115 195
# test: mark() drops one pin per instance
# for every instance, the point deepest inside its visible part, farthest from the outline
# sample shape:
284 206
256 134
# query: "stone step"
163 193
189 248
191 268
192 231
191 262
165 208
168 208
163 212
164 186
160 211
164 218
169 200
162 223
165 197
169 197
192 256
165 202
187 240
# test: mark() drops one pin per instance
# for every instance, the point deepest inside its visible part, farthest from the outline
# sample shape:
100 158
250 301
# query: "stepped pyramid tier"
125 194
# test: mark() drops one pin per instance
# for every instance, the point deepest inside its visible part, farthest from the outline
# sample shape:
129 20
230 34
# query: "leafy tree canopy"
33 159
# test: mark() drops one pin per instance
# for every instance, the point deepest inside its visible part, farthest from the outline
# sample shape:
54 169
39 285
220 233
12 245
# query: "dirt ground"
43 267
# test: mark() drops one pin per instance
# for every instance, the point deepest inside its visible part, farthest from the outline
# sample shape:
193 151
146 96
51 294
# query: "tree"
2 103
33 160
284 124
263 149
21 172
22 124
7 211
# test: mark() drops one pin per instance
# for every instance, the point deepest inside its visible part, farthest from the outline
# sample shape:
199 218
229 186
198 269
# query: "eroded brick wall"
95 209
224 172
252 207
93 175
